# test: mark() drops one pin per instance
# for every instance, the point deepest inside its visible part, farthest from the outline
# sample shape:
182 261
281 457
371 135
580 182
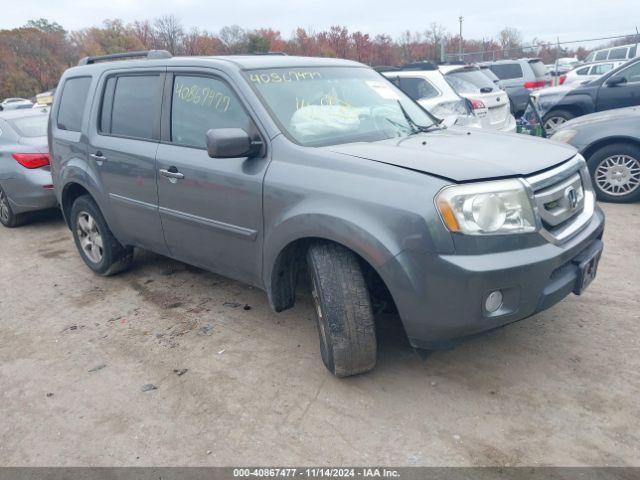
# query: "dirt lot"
557 389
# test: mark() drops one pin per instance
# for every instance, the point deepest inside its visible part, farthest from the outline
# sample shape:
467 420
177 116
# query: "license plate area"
587 263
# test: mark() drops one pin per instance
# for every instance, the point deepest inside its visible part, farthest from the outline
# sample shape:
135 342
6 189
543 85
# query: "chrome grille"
564 199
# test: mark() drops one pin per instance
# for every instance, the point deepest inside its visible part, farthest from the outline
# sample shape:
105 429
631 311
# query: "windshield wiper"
414 126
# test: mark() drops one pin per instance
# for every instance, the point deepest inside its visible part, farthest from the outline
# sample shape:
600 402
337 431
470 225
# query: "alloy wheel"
90 237
618 175
552 124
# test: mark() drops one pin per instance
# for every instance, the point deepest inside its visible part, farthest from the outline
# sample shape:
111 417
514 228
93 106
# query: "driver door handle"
169 174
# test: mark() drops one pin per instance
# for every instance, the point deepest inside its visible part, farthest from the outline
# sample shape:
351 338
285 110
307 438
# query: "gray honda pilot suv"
266 168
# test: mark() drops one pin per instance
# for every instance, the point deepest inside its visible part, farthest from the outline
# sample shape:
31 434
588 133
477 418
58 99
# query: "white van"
623 52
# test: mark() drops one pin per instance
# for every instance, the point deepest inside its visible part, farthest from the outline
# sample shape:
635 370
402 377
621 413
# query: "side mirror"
615 81
231 143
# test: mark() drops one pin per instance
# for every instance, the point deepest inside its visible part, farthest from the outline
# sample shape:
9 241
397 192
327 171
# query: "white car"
426 85
490 104
586 73
14 103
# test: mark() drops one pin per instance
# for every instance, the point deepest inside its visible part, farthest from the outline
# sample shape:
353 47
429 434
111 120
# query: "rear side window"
601 69
131 106
418 88
507 71
632 51
470 81
72 102
202 103
538 68
601 55
618 54
583 71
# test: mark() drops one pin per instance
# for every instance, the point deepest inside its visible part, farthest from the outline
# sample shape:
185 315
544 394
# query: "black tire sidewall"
86 204
326 346
607 151
13 218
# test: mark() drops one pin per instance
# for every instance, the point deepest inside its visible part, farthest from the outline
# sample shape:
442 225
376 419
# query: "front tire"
344 315
615 171
7 217
96 244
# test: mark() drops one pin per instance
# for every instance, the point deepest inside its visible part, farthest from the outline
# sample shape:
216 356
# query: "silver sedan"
25 175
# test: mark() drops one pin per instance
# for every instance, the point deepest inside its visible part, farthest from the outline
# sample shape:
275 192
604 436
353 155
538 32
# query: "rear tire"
96 244
554 119
615 172
344 315
7 217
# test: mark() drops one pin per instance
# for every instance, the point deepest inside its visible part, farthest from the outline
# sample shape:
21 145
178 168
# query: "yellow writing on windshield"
284 77
203 96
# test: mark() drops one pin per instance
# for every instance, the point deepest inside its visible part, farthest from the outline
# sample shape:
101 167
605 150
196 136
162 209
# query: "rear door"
620 95
212 214
122 151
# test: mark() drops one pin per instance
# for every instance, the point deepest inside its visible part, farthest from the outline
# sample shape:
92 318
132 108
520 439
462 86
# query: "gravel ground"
164 365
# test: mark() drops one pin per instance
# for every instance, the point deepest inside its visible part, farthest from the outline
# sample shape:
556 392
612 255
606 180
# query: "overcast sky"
545 19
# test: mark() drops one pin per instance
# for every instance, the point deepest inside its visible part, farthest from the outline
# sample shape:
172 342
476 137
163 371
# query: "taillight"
562 79
476 104
31 160
534 85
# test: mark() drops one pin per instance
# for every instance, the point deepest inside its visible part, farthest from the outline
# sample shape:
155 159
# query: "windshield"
469 81
333 105
31 126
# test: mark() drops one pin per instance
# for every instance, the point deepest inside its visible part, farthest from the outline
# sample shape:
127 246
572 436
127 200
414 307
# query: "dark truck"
264 168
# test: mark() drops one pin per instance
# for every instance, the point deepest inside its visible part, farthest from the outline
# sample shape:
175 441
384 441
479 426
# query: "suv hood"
464 155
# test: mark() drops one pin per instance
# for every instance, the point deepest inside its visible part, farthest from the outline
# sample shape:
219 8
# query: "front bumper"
441 298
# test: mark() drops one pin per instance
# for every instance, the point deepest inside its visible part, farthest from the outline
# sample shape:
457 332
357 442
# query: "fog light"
493 301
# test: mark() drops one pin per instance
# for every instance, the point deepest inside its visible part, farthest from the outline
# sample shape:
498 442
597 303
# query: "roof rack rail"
148 54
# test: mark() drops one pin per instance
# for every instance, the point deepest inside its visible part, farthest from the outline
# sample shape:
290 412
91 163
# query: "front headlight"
487 208
564 136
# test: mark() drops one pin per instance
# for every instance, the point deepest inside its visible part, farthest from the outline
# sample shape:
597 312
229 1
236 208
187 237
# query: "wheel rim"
4 207
618 175
90 237
552 124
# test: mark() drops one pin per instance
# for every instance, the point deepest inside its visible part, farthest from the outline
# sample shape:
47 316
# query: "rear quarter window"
507 71
72 103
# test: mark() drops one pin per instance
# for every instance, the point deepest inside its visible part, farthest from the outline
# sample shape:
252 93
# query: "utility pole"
460 19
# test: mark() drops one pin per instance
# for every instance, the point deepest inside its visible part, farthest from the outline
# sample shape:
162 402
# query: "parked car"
519 78
586 73
616 89
425 84
15 103
489 103
263 167
622 52
25 175
610 141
